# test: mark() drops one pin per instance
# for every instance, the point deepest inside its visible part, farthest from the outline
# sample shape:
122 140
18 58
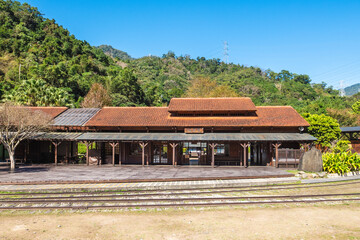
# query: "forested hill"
353 89
115 53
41 63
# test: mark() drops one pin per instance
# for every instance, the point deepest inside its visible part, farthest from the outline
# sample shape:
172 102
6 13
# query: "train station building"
190 131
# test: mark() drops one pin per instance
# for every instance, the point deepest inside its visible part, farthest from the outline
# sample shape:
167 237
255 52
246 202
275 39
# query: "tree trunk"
12 161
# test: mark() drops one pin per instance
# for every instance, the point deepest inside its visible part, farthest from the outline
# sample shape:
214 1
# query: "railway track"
190 190
169 198
171 203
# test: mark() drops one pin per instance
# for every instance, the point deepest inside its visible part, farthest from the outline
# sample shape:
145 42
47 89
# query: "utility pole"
226 52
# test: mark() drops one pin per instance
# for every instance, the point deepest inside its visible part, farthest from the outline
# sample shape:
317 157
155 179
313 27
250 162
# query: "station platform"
50 174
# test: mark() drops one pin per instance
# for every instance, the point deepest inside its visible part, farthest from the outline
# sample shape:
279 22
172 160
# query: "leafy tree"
203 87
97 97
324 128
344 117
356 107
126 90
39 93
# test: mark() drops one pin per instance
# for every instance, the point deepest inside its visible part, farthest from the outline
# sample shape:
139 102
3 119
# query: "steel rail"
176 191
68 200
343 182
175 205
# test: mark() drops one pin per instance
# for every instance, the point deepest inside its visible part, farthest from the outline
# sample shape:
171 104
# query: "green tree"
126 90
324 128
37 92
344 117
356 107
203 87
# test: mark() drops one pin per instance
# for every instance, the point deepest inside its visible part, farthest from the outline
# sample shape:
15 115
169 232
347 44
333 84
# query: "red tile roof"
52 111
211 104
281 116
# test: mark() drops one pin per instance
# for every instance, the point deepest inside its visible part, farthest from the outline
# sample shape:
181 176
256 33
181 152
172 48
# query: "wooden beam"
306 146
173 145
113 152
277 145
56 144
143 145
87 144
26 151
120 152
213 145
245 146
148 159
67 152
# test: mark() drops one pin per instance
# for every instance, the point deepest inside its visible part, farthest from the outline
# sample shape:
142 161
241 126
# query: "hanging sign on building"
194 130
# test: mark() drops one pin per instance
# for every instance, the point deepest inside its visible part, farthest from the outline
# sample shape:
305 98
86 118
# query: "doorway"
195 153
160 154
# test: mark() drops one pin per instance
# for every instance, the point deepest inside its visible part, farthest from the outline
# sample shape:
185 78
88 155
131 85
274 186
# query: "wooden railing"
289 157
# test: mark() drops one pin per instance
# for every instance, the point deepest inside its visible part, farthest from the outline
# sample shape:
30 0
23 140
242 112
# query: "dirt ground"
319 221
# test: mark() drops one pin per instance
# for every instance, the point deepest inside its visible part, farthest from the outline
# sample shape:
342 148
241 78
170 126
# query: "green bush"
342 146
341 163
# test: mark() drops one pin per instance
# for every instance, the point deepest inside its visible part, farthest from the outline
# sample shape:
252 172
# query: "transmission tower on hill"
342 88
226 52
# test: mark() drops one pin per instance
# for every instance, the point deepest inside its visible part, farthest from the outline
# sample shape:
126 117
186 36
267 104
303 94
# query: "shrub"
341 163
341 146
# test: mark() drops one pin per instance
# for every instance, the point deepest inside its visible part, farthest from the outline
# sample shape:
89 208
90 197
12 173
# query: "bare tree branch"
18 123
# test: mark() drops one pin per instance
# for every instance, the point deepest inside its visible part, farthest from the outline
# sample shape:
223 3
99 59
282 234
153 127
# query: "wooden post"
213 145
56 144
66 152
87 144
148 159
245 146
26 151
120 152
113 152
173 145
277 145
143 145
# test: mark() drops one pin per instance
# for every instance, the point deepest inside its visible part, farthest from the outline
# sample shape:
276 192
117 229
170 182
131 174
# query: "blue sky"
319 38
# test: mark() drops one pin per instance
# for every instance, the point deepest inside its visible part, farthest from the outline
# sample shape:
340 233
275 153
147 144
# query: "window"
135 149
198 147
222 149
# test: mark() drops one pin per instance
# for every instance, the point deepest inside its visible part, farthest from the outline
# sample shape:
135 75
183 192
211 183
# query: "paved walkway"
83 177
90 174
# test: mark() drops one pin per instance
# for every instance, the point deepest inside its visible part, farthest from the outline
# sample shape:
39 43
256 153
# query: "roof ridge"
285 106
211 98
136 107
44 107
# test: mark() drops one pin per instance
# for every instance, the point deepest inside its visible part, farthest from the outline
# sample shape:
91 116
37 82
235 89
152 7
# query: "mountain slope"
353 89
36 54
33 47
115 53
